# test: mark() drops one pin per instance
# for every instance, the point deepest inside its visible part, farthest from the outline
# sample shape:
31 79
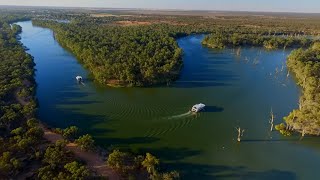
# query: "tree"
55 155
70 132
77 170
8 165
46 172
150 162
118 160
240 133
171 175
85 142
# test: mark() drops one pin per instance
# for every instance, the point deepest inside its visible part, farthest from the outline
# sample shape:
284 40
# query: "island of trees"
221 40
118 56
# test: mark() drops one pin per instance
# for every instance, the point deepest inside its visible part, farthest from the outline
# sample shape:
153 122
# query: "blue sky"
234 5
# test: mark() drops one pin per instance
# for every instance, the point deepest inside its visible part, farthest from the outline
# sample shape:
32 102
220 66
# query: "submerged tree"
271 120
240 133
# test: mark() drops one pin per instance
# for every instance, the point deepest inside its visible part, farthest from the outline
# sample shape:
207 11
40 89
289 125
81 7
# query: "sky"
306 6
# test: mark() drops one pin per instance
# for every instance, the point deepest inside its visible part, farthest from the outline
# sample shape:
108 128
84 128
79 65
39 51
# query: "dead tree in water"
240 133
302 134
238 52
271 120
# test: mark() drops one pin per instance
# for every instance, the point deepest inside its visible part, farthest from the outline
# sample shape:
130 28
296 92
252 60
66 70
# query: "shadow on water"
213 109
191 171
204 78
268 140
208 172
124 143
88 124
171 154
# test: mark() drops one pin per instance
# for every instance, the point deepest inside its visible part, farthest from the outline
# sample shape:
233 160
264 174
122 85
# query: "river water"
239 91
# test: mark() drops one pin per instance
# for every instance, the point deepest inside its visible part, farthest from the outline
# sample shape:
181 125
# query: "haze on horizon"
306 6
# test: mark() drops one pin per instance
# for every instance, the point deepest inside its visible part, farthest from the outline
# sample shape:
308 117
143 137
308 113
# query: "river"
239 91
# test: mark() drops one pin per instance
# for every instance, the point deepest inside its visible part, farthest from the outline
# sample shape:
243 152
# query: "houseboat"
198 107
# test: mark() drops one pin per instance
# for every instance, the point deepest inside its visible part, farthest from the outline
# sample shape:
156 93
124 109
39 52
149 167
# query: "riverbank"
305 65
93 160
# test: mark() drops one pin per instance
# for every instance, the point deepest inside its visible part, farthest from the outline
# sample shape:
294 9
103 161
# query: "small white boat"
198 107
79 78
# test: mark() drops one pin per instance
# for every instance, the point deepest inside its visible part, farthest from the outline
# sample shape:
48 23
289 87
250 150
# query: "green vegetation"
220 40
305 64
21 137
133 56
85 142
119 51
130 166
58 164
70 132
121 56
20 134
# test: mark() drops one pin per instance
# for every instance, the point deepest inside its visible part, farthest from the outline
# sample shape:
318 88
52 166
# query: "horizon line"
158 9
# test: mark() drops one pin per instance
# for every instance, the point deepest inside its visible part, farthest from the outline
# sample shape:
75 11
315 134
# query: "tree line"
305 64
21 137
221 40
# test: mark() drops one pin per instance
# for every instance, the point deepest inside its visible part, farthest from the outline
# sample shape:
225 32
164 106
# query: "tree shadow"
171 160
267 140
124 143
207 78
171 154
264 175
190 171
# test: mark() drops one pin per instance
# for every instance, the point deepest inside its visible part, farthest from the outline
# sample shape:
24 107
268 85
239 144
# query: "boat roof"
199 106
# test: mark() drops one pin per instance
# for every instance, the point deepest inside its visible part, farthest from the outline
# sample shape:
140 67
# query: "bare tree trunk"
303 134
240 133
271 120
238 53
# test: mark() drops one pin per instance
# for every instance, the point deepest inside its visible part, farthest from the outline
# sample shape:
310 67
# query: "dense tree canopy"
135 167
305 64
20 134
125 56
21 137
220 40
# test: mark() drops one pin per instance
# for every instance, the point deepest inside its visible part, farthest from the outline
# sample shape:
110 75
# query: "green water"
238 91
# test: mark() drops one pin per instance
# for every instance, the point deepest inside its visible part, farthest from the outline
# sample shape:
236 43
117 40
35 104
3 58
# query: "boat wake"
189 113
185 120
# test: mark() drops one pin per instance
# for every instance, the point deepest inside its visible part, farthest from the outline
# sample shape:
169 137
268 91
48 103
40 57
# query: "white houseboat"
79 78
198 107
